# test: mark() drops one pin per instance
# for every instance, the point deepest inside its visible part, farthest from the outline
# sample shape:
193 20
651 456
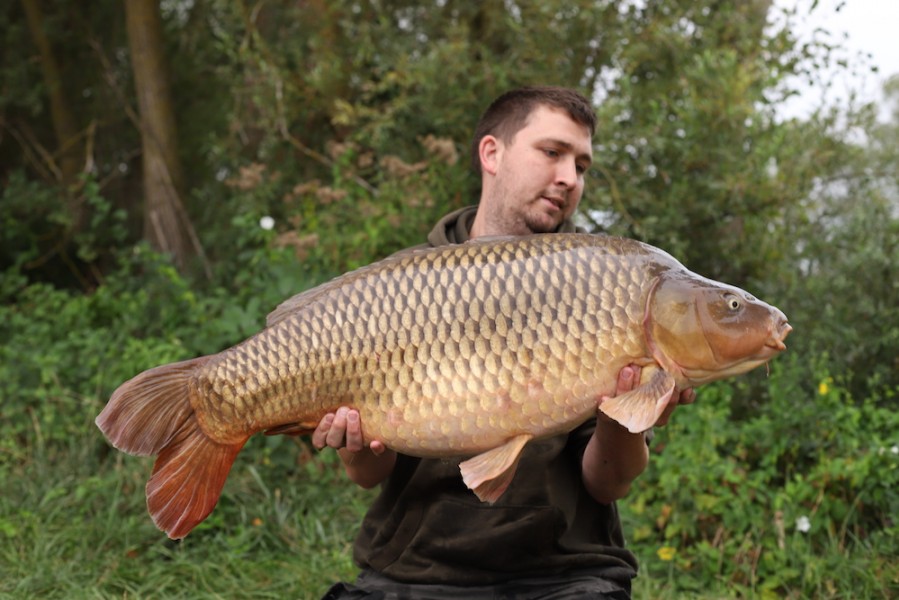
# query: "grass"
75 525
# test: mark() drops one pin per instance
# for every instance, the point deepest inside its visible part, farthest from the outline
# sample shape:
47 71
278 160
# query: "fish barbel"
462 350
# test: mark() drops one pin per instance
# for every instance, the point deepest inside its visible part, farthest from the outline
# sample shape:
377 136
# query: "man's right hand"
342 430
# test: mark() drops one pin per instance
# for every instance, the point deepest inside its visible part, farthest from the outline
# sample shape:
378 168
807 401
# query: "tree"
691 155
336 118
845 279
60 109
167 225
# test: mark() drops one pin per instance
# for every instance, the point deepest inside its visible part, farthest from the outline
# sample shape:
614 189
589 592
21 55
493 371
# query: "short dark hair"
509 113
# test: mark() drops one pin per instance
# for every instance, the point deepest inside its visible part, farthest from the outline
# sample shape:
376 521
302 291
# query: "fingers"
337 433
341 429
353 431
628 378
319 436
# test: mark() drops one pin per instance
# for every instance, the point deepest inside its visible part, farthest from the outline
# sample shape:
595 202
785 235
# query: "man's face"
539 174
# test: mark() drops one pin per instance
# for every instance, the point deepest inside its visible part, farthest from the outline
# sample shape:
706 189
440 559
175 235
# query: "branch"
43 163
616 195
283 129
317 156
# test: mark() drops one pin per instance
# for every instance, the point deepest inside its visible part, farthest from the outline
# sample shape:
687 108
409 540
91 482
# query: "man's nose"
566 173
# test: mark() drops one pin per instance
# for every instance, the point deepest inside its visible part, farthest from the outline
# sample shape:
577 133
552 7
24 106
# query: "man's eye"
551 153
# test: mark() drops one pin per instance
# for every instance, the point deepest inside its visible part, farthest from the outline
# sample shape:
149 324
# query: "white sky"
869 26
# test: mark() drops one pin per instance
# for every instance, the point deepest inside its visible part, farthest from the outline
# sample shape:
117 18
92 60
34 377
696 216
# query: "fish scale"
392 311
470 349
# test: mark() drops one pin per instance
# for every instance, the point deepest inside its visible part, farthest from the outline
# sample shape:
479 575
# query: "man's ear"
490 151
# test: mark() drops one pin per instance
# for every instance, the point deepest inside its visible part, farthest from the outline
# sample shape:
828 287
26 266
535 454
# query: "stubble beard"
537 219
514 217
519 218
523 219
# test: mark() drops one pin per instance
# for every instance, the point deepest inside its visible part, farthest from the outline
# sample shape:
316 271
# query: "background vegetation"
347 123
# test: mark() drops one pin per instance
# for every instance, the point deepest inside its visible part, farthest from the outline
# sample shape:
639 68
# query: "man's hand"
342 430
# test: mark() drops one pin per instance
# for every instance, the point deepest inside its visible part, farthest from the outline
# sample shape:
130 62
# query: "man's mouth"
555 201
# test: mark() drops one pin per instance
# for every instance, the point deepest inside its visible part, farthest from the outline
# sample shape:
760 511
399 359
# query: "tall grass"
74 524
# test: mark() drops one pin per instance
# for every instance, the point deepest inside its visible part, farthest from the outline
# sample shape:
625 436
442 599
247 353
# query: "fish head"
701 330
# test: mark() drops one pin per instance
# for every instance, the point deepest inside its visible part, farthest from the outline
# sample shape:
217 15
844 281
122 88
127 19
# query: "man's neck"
487 222
478 226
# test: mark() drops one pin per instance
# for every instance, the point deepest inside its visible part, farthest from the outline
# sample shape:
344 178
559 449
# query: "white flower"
267 223
895 449
803 525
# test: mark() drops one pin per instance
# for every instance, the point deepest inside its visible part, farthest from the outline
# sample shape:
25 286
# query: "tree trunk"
166 224
66 132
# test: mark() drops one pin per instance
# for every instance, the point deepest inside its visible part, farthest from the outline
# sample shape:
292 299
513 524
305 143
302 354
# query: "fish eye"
733 302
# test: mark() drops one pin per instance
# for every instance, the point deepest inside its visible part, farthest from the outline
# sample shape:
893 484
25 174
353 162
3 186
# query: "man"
555 533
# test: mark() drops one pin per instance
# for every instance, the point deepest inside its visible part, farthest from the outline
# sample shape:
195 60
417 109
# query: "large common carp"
462 350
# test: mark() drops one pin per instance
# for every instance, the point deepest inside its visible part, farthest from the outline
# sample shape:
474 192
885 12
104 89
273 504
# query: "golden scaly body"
450 351
469 349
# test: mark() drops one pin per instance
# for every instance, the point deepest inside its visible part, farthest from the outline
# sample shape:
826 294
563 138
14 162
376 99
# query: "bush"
792 494
786 502
73 519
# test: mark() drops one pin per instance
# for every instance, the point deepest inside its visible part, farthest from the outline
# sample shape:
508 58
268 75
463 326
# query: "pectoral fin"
489 474
639 409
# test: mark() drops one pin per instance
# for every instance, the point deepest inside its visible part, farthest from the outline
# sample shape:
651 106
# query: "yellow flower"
257 522
823 388
666 553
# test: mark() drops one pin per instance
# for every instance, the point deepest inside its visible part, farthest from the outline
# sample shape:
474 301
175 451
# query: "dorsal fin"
294 303
286 308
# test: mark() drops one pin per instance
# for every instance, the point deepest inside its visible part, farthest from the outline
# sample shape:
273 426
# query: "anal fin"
489 474
640 409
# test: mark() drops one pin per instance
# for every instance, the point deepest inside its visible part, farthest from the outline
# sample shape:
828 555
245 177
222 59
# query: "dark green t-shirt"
427 527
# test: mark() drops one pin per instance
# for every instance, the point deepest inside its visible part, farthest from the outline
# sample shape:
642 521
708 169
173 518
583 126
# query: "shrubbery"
788 500
318 137
785 485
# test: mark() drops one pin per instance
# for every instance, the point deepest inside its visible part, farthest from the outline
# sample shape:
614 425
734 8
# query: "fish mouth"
776 341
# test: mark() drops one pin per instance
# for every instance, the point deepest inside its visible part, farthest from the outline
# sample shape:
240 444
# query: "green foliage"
39 229
73 515
30 214
77 526
692 156
784 502
348 124
844 293
719 513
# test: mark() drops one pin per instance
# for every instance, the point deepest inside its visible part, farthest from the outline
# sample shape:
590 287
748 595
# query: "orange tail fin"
152 414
